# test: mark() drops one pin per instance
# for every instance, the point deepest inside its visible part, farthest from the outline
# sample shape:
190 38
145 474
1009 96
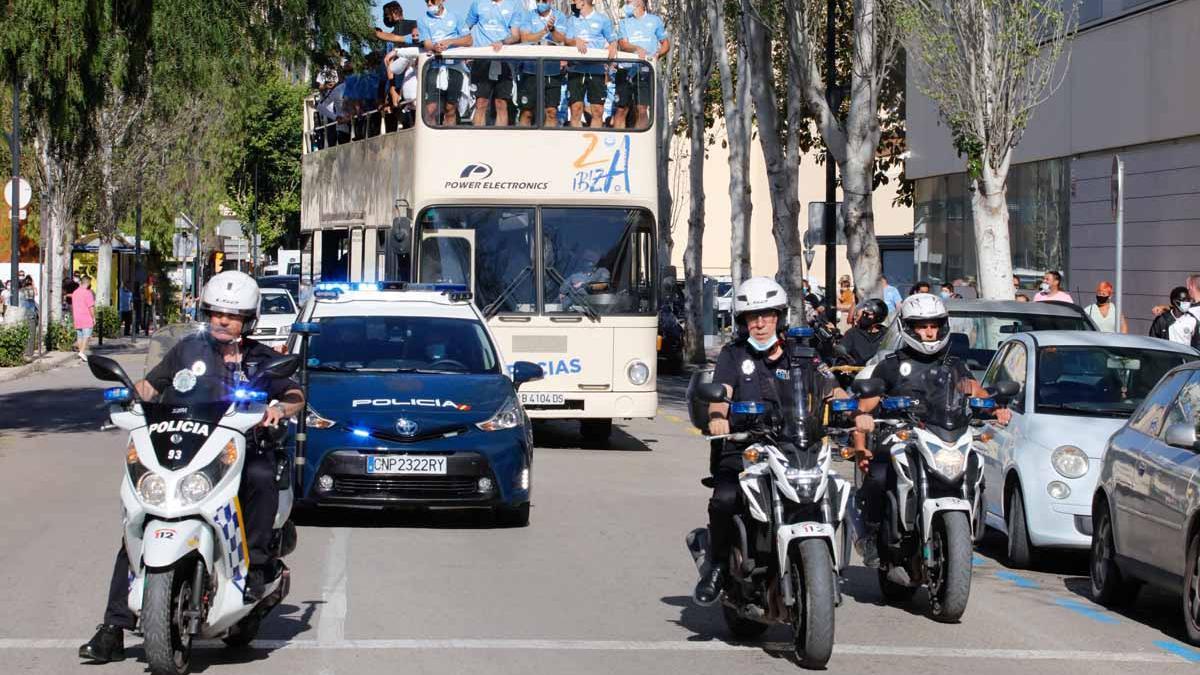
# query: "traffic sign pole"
14 145
1118 197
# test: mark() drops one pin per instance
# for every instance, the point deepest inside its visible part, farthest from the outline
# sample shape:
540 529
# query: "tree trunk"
737 132
862 248
693 255
989 206
664 132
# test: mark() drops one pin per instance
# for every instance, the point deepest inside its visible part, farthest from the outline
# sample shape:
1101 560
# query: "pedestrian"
591 29
125 307
891 296
947 291
1177 324
1102 313
845 301
644 34
1052 289
83 314
919 287
1021 297
1193 286
28 296
493 23
6 293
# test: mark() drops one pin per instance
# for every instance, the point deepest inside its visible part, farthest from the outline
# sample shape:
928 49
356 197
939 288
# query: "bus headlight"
638 373
1069 461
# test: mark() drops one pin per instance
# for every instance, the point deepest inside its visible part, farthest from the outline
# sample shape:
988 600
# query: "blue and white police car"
410 403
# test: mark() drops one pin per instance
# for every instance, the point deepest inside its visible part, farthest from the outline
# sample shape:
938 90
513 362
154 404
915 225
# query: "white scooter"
184 531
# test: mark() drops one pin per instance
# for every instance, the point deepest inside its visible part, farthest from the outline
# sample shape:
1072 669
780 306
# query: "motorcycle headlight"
950 462
194 487
1069 461
509 416
638 373
152 489
805 483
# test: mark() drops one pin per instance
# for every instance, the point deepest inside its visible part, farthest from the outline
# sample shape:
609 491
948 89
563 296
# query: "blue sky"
414 8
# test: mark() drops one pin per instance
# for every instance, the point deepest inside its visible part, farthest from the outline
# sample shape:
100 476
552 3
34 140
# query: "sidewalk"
52 360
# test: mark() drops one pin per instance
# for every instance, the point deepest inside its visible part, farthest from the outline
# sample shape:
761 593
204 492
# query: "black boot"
256 583
108 644
709 587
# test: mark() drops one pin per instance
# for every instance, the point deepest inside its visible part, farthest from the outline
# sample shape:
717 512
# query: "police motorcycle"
926 538
791 544
182 519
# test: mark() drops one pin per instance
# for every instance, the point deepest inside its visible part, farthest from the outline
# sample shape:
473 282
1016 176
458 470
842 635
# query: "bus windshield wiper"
576 298
494 306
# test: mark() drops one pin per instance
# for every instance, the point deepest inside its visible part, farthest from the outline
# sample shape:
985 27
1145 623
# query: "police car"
411 403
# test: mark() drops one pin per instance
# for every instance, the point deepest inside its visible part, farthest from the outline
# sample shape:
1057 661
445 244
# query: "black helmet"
1179 294
877 308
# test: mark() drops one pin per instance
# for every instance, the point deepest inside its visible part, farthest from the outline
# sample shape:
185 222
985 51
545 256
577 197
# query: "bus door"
447 257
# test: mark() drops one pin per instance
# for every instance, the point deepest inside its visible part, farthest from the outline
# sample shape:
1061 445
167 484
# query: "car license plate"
405 464
542 398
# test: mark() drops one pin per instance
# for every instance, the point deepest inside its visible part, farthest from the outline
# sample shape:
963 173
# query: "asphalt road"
598 583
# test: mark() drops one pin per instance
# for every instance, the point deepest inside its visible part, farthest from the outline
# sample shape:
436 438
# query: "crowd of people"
382 95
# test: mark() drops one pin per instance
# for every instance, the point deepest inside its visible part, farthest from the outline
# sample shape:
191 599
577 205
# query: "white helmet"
924 307
232 293
758 293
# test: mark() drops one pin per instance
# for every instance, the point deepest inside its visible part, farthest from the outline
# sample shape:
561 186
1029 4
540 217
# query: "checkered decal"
229 519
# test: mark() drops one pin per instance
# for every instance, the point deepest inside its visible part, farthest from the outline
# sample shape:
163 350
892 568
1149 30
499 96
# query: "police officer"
925 329
862 341
230 303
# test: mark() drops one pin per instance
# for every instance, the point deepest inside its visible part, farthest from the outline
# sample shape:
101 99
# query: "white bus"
553 228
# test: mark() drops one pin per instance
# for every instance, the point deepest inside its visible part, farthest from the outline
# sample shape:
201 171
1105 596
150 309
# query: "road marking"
674 418
1023 582
331 627
1177 652
1090 612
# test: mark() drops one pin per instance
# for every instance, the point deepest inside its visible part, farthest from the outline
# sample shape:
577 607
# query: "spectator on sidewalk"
891 296
1021 297
1193 286
6 297
1052 289
845 301
919 287
83 314
28 297
1176 324
125 306
1102 313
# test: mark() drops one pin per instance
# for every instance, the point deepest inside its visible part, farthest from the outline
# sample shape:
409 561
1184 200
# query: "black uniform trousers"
725 503
259 497
873 491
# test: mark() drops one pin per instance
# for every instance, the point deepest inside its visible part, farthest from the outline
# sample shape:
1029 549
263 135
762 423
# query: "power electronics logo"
475 176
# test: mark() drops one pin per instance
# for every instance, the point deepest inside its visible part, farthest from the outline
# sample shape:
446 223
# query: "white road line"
658 646
331 626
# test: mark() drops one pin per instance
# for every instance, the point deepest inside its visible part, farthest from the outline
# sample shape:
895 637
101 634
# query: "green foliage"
60 336
108 321
13 340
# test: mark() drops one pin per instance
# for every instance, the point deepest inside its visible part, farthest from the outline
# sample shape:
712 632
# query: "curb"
48 362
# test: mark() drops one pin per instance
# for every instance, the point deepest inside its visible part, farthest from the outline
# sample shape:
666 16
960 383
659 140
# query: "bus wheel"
596 432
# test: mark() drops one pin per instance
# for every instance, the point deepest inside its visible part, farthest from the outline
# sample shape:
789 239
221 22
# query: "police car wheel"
512 516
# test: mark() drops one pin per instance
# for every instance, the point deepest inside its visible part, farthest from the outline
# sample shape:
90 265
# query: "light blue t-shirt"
647 32
492 22
597 32
891 298
536 23
446 26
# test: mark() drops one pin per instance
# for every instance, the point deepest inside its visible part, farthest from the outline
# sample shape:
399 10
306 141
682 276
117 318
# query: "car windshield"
1106 381
975 337
401 344
276 303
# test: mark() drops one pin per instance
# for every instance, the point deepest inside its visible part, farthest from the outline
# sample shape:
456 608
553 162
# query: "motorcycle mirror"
1005 390
280 366
710 392
109 370
869 388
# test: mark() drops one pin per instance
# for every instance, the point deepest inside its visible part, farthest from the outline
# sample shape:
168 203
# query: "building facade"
1131 89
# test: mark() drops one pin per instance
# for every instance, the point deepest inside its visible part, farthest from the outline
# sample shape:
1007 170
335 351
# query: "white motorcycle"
786 560
184 532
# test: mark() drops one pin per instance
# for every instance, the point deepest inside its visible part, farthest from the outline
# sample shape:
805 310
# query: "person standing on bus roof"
544 25
591 29
646 35
404 31
441 29
495 23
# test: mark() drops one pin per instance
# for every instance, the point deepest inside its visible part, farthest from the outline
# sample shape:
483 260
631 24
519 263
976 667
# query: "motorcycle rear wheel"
949 592
812 614
168 645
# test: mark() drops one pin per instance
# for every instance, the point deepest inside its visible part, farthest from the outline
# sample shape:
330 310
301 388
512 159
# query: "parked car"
977 327
1147 503
1077 389
276 313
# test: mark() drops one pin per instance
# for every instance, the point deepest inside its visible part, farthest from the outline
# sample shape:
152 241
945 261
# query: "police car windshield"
402 343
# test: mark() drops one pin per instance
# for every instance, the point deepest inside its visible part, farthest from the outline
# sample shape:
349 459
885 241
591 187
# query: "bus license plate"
404 464
542 398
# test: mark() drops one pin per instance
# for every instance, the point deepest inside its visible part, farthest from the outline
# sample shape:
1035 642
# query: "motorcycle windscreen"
947 394
809 387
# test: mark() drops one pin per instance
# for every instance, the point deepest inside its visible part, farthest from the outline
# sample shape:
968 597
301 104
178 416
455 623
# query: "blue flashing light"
361 433
898 403
982 403
844 405
249 395
748 408
366 286
800 332
117 394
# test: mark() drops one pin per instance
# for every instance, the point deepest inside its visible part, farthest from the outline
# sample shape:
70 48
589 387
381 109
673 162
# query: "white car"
1077 389
276 313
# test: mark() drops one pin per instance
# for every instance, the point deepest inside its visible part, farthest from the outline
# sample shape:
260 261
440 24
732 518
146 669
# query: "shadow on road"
416 518
564 435
862 585
707 624
52 411
1152 607
1050 561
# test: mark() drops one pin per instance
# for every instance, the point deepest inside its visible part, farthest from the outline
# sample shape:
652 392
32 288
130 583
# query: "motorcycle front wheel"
812 614
167 597
950 583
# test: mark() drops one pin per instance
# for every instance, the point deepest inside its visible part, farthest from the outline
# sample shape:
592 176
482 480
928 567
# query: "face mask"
1101 299
433 10
628 11
865 322
945 295
543 7
1185 305
763 346
1045 287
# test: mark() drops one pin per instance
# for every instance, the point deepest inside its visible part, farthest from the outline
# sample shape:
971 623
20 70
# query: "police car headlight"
315 421
509 416
152 489
194 487
638 373
1069 461
950 462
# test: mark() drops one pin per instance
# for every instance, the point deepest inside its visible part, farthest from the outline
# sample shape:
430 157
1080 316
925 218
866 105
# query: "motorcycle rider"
753 367
230 303
925 329
862 341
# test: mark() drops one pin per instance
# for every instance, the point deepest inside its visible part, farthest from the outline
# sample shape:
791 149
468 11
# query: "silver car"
1077 389
1147 504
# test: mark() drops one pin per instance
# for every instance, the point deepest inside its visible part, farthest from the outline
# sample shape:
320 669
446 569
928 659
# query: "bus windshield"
591 261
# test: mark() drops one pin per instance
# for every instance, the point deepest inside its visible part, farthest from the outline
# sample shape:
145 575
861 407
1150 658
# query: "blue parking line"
1020 581
1178 650
1089 612
978 560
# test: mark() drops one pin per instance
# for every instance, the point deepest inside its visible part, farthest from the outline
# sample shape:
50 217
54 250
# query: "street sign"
815 235
24 193
183 246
